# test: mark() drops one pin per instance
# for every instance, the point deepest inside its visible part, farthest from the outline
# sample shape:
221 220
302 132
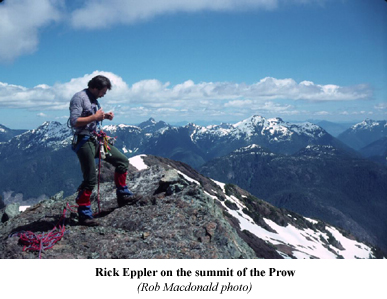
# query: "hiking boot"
88 222
127 199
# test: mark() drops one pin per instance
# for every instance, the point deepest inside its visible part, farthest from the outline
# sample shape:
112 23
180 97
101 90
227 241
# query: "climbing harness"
103 142
41 242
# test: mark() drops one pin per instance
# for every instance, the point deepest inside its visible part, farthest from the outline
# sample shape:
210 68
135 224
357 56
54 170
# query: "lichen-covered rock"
9 212
176 218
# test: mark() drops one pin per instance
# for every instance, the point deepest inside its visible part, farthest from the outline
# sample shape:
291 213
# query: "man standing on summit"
86 116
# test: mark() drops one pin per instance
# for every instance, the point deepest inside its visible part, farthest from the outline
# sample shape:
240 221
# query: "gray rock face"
9 212
174 219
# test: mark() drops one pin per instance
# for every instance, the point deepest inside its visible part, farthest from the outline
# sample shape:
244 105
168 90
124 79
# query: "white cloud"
322 113
381 106
154 92
361 112
20 21
263 108
309 91
239 103
98 14
54 97
269 96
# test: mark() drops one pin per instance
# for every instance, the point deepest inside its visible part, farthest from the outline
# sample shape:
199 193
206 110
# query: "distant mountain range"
28 159
6 133
335 129
298 166
38 163
195 145
364 133
376 151
369 138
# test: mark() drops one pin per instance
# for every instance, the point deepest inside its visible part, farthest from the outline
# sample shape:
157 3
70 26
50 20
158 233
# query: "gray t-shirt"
83 104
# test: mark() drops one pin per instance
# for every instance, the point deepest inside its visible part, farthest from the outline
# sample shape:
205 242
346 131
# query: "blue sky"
195 61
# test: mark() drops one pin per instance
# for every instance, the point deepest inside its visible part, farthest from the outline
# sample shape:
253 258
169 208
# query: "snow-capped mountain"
53 135
38 162
274 129
151 126
192 144
196 144
364 133
35 150
273 133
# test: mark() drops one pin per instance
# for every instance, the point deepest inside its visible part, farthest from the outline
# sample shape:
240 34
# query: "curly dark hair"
100 82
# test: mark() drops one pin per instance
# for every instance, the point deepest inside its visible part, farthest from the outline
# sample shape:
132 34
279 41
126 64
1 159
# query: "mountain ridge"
364 133
36 149
318 181
7 133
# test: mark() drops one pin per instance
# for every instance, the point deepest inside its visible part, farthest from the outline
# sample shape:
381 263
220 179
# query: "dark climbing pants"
87 154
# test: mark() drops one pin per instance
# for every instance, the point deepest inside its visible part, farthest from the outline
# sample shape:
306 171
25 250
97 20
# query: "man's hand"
109 115
99 115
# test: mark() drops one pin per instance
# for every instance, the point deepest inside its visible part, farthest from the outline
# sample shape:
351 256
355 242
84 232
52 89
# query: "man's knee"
122 167
121 162
89 182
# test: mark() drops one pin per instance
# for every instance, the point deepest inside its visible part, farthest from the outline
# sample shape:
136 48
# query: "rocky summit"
181 214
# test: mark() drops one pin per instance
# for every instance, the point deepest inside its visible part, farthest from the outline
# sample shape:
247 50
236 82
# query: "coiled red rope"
41 242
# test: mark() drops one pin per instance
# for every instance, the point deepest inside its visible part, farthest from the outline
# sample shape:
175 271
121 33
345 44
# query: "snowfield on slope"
304 243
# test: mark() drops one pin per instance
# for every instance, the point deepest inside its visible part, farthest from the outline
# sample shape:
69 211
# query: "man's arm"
83 121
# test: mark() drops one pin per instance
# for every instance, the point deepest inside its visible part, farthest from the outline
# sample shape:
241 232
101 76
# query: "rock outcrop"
175 219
